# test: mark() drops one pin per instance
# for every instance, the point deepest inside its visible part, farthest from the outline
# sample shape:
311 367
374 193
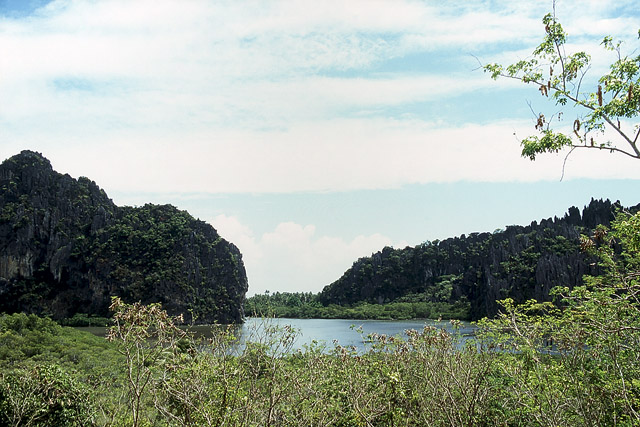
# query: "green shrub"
43 396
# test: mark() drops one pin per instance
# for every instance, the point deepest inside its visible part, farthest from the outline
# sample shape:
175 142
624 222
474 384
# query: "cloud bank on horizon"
289 96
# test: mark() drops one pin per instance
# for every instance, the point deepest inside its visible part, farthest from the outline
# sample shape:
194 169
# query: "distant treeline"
306 305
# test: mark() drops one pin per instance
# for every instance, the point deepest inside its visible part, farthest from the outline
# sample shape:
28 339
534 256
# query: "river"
324 331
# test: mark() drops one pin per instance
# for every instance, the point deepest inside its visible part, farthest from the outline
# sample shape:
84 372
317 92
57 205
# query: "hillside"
520 262
66 248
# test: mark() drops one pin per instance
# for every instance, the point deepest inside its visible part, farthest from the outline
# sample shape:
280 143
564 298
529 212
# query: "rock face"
520 263
66 248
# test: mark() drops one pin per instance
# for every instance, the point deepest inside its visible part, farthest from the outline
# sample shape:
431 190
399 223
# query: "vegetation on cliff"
460 278
66 248
520 262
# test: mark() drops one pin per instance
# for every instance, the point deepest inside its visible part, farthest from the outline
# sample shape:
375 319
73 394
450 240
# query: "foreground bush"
577 362
43 396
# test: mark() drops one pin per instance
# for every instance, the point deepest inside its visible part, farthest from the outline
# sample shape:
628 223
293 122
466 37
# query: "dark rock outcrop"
66 248
521 262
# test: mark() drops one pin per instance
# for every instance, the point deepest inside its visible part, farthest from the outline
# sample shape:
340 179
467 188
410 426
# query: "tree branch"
626 138
617 150
564 163
633 144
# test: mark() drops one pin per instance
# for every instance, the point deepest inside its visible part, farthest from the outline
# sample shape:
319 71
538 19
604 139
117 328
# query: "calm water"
325 330
344 331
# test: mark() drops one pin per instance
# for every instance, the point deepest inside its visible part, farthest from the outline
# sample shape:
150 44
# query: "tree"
613 104
146 336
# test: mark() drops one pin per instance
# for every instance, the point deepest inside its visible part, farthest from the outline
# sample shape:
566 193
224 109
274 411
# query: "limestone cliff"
66 248
520 262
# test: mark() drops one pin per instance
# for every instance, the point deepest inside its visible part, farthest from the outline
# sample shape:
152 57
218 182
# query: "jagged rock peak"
519 262
30 158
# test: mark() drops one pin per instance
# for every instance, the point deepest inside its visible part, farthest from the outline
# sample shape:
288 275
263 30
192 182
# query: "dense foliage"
520 262
54 375
65 248
574 363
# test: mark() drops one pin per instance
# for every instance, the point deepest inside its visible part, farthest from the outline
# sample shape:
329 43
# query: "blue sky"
308 133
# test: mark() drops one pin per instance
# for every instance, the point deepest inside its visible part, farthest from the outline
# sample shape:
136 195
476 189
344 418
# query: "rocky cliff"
520 262
66 248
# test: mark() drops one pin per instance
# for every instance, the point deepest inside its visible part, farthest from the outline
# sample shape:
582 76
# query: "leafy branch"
561 76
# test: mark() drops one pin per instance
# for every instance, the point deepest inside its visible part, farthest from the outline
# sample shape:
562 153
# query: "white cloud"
293 257
229 97
335 155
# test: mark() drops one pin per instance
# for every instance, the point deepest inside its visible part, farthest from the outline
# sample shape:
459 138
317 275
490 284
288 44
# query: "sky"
308 133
